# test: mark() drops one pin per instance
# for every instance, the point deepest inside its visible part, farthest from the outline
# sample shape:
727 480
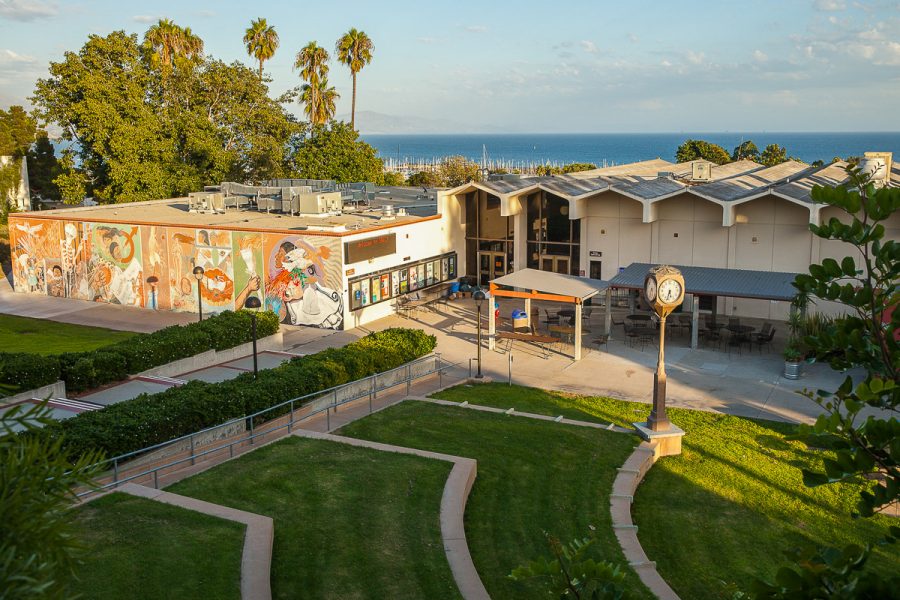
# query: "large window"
390 283
553 238
487 229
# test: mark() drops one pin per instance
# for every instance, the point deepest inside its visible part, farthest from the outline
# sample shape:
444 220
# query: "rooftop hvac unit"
665 174
206 202
319 203
387 210
701 171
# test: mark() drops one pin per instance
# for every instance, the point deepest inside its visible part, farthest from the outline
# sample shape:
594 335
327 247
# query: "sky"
523 66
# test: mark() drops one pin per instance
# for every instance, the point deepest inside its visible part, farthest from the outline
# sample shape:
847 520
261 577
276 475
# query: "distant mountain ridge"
374 123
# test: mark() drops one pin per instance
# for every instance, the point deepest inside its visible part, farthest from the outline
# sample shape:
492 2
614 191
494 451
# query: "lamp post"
479 297
252 303
153 281
198 274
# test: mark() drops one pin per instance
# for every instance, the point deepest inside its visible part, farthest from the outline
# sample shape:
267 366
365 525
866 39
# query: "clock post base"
668 440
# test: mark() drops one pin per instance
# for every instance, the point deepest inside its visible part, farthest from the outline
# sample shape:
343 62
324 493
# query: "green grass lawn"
137 548
349 522
533 477
40 336
726 508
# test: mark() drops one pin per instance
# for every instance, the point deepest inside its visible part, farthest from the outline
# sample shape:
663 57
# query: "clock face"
669 291
650 289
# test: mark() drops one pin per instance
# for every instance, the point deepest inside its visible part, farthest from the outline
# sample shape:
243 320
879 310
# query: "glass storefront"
390 283
489 238
553 239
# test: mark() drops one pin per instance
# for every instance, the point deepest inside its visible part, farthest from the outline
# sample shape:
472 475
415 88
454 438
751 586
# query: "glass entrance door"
491 265
555 264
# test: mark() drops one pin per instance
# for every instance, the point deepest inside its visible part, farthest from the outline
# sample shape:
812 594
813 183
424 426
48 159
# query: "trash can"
519 318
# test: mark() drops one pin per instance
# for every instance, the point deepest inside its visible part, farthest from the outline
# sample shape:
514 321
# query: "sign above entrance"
369 248
596 254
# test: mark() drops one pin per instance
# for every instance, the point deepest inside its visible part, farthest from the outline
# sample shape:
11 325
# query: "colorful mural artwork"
152 266
300 287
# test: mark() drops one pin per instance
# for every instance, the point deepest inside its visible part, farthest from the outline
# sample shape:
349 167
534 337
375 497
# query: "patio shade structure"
709 281
531 284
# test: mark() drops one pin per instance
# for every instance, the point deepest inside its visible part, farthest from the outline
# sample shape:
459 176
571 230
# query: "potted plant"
792 361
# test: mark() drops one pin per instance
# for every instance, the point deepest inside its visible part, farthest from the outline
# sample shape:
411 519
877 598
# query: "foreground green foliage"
865 337
349 522
155 418
135 353
701 149
533 477
142 549
571 574
725 509
36 488
40 336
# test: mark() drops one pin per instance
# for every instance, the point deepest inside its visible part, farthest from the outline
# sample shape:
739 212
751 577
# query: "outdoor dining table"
740 329
563 330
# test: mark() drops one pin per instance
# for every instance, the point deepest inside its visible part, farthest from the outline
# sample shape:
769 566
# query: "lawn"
39 336
726 508
137 548
533 477
349 522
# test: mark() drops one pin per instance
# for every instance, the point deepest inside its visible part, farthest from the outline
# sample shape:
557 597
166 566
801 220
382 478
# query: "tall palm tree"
168 42
319 101
354 49
312 61
262 42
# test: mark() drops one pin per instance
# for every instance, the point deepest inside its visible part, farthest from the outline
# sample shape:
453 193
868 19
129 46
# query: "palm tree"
354 49
168 42
312 61
262 42
318 101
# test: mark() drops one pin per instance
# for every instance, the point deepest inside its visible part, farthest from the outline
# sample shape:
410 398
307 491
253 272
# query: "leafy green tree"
391 179
570 573
354 49
37 485
773 155
701 149
425 179
866 283
261 40
312 61
17 132
745 150
43 168
334 151
140 137
457 170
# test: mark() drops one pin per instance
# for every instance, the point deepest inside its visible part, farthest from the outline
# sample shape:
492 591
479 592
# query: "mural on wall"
301 284
248 267
153 266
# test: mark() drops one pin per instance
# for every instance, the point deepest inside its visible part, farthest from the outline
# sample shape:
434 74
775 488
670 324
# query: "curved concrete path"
453 507
256 558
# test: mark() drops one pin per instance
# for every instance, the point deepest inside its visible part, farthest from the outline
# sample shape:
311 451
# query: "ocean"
617 148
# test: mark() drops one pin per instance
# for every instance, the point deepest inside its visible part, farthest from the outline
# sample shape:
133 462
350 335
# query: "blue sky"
636 66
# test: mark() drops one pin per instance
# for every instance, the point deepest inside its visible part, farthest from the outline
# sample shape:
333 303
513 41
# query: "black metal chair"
602 340
764 339
551 319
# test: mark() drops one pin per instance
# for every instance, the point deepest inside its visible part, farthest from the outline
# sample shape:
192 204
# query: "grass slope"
349 522
137 548
532 477
40 336
726 508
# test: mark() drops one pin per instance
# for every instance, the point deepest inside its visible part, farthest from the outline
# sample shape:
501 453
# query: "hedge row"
87 370
152 419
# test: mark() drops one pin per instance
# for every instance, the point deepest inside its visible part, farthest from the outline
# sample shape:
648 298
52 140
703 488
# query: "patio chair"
615 323
734 322
764 340
551 319
631 335
713 337
602 340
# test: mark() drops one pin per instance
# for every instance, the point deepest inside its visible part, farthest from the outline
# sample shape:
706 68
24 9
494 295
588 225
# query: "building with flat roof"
316 261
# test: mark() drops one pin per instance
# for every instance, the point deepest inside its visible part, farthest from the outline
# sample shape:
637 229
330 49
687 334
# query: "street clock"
664 289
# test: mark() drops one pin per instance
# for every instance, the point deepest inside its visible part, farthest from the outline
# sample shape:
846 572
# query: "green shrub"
153 419
86 370
28 371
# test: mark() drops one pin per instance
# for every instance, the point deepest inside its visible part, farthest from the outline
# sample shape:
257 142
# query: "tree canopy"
773 155
354 50
261 40
745 150
145 132
334 151
701 149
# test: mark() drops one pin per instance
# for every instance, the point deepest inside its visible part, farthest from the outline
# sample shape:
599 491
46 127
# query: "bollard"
115 471
251 429
156 479
510 367
327 419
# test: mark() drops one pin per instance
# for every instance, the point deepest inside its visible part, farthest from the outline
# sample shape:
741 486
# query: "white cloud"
633 38
830 5
476 28
26 10
695 58
145 19
760 56
8 57
589 47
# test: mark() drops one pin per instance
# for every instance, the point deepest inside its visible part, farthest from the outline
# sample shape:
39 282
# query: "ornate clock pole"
664 292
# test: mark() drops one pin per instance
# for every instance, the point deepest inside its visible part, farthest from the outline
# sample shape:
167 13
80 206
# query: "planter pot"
793 370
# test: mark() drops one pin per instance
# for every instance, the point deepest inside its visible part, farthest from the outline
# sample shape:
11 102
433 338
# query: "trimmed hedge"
152 419
87 370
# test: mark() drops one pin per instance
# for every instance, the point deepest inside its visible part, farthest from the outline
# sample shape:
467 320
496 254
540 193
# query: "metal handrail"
293 403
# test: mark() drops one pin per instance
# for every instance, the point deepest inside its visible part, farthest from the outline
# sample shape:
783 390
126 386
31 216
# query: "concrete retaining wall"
54 390
212 357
